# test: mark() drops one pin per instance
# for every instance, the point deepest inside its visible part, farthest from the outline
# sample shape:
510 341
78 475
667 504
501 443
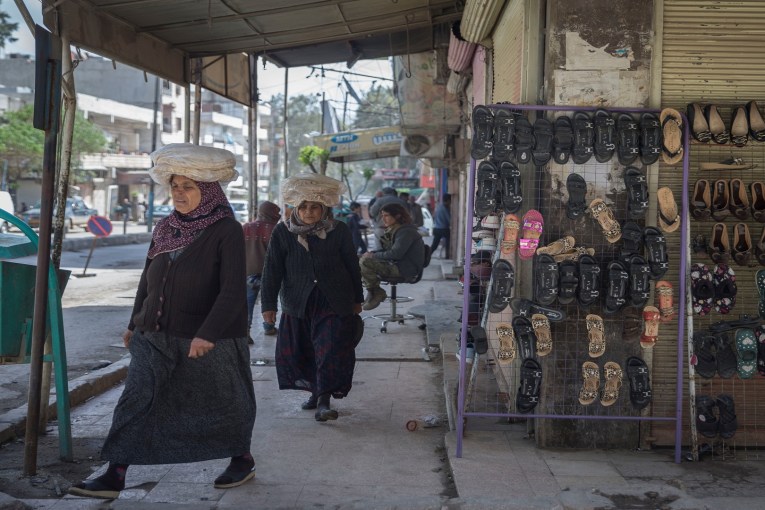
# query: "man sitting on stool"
402 254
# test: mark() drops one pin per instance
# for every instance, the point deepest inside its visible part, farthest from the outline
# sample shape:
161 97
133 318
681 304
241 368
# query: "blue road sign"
99 226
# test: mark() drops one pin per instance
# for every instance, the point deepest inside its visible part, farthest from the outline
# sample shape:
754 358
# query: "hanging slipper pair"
672 136
746 350
702 289
591 383
603 214
725 289
531 231
651 318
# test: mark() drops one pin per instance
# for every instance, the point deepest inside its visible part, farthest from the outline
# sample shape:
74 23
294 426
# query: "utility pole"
150 205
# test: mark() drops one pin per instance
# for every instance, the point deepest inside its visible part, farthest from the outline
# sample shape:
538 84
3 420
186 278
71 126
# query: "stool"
394 300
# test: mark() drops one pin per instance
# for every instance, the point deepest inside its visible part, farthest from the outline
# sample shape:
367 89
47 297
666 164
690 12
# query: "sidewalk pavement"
368 459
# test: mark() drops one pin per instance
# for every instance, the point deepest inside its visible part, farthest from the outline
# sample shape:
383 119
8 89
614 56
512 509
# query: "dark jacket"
406 249
257 234
199 294
331 265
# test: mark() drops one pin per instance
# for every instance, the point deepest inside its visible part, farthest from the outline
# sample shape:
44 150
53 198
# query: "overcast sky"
270 80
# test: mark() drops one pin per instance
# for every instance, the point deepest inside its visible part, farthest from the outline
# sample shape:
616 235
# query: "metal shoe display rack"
488 389
749 439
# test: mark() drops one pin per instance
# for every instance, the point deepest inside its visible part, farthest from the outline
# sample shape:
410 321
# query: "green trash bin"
17 302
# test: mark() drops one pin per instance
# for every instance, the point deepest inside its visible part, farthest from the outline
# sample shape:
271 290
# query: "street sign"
99 226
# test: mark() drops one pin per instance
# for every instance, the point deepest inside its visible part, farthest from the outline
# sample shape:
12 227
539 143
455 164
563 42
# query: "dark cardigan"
201 293
332 265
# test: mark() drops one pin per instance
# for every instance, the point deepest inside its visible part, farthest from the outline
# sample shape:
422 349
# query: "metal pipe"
150 206
284 127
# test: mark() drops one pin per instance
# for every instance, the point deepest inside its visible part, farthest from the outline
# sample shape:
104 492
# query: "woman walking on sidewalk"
188 396
312 262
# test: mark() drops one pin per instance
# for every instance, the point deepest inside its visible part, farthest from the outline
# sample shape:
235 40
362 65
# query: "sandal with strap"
603 214
531 231
502 282
483 132
728 423
557 247
651 317
703 360
618 283
543 142
668 213
640 382
584 135
590 383
665 297
589 281
577 192
563 140
628 138
568 276
656 251
523 307
541 325
632 237
524 335
637 193
650 139
512 226
545 280
596 335
504 135
574 253
524 140
605 130
531 384
706 421
672 136
507 351
510 187
612 373
640 281
486 189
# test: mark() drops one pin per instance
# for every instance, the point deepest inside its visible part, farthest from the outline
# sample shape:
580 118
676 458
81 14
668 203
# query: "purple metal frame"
684 243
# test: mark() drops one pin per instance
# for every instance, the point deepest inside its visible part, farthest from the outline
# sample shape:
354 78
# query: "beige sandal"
651 318
510 238
590 383
507 350
596 334
613 375
560 246
665 298
669 218
541 325
574 254
672 139
605 217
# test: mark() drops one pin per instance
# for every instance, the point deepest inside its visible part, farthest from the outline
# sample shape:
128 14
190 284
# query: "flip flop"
650 139
724 281
568 276
510 240
651 317
507 351
509 187
502 281
504 135
563 140
577 192
584 135
640 382
605 129
541 325
596 335
486 189
483 132
531 230
668 215
628 139
727 362
759 279
589 281
557 247
665 297
525 337
590 383
637 193
656 251
704 349
746 348
612 373
524 140
728 423
543 142
706 421
531 383
702 289
672 136
603 214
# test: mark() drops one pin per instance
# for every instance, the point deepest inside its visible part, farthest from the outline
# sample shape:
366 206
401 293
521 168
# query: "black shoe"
96 488
309 404
250 341
324 413
233 477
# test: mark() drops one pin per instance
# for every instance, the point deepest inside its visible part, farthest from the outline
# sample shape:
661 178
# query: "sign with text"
361 144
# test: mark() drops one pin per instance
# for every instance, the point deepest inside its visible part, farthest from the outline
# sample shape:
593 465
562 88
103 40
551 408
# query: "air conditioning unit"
423 146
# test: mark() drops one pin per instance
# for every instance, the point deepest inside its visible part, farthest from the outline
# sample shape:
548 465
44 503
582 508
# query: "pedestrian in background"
257 234
442 224
188 395
354 223
390 196
312 266
415 210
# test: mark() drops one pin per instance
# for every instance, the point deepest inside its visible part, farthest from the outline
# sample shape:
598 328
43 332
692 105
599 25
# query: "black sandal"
577 193
650 138
477 336
486 189
531 384
706 421
640 281
503 279
525 337
568 275
628 139
483 132
563 140
727 361
637 193
504 135
589 280
543 136
524 140
632 236
605 129
510 187
618 283
523 307
704 347
728 423
640 382
546 279
656 250
583 138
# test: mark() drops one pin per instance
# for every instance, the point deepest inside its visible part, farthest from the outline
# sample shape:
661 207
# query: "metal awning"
163 36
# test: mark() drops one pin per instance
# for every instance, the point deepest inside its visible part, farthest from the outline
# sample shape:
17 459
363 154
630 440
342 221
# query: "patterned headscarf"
179 230
319 229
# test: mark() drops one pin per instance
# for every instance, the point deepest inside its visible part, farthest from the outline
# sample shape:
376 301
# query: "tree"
378 108
304 117
21 143
311 154
6 29
87 138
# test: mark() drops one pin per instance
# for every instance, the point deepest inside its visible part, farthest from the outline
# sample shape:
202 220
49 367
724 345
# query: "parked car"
427 221
240 210
76 214
161 211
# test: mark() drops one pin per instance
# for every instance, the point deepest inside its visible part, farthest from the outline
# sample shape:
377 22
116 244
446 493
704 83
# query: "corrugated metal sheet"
713 52
478 18
508 41
457 82
479 76
460 53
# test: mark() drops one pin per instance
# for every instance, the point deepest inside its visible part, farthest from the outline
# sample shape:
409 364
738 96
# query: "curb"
13 423
84 243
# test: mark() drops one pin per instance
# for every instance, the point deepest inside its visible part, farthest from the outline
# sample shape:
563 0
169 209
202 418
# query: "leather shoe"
309 404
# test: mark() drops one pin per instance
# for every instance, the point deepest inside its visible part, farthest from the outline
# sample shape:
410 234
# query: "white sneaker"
469 354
